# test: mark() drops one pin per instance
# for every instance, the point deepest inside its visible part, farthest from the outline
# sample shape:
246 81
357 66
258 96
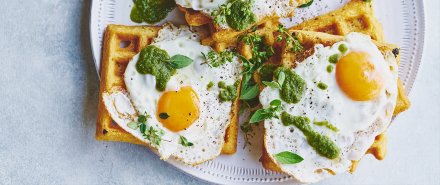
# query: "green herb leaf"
214 59
287 157
164 115
281 78
250 93
274 85
306 5
185 142
180 61
258 116
143 127
275 103
132 125
271 112
154 135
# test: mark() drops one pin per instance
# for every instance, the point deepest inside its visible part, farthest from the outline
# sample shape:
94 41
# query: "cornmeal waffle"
120 44
223 38
355 16
308 39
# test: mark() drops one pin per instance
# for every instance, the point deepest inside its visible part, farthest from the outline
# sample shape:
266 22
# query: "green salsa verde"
151 11
240 16
153 60
227 92
293 87
322 144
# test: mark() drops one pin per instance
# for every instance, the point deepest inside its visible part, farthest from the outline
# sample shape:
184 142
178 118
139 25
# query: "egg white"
208 131
358 122
261 8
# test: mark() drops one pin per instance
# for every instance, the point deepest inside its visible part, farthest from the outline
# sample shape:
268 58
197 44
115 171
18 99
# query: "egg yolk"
177 110
358 77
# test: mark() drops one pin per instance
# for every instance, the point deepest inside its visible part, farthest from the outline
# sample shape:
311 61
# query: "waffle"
120 44
223 38
308 39
355 16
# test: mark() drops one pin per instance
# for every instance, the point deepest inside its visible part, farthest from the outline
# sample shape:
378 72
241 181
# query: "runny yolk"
358 78
179 109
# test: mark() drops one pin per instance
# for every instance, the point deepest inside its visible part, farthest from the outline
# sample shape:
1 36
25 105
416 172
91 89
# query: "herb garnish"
214 59
287 157
279 81
151 11
148 132
179 61
210 85
306 5
227 92
272 111
185 142
236 13
164 115
292 43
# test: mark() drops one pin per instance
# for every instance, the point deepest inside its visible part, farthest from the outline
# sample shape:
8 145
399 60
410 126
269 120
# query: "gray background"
49 94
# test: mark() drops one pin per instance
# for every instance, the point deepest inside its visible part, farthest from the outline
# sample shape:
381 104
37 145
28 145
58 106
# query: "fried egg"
356 93
281 8
193 110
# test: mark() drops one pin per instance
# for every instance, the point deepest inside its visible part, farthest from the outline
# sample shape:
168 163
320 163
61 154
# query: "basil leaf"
258 116
274 85
306 5
281 78
143 127
142 119
132 125
185 142
275 103
250 93
180 61
164 115
287 157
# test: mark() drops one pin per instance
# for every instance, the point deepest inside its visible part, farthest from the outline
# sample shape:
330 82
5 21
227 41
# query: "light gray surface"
48 103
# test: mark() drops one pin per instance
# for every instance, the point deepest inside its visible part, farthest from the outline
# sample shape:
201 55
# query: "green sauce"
151 11
266 72
240 16
322 144
152 60
227 92
293 87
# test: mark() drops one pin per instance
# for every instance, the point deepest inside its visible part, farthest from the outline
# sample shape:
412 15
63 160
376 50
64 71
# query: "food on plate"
327 111
227 19
355 16
179 96
151 11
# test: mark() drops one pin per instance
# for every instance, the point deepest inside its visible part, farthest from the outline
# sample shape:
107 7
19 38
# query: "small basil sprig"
185 142
287 157
278 83
271 112
179 61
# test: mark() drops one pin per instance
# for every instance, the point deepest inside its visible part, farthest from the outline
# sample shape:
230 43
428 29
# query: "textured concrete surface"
48 102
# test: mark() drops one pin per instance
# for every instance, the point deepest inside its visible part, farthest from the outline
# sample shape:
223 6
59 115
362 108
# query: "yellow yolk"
358 77
179 109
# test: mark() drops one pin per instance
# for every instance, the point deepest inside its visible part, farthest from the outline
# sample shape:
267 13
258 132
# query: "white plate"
404 25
